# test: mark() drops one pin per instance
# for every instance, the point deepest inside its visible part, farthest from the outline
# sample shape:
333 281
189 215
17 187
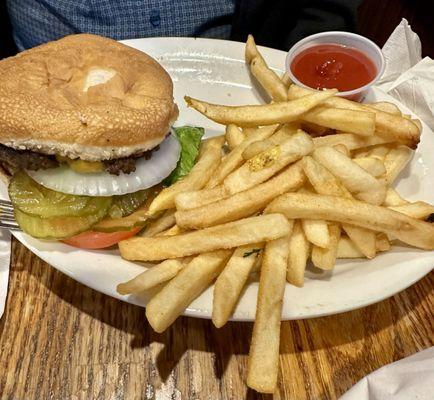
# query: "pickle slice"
37 200
58 227
127 204
137 219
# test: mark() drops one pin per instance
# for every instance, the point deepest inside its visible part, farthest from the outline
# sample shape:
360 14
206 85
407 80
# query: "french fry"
360 153
299 249
418 123
342 149
251 130
258 115
372 165
254 274
165 221
281 135
347 248
199 198
268 79
409 230
209 157
257 266
231 281
174 230
351 121
226 236
244 203
393 198
256 148
382 243
191 281
285 131
152 277
325 258
364 239
418 209
263 361
415 121
234 136
385 106
326 184
316 232
322 180
379 151
286 79
390 126
358 181
235 158
266 164
350 140
314 130
395 161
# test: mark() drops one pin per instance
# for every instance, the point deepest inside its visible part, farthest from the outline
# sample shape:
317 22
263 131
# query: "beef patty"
13 160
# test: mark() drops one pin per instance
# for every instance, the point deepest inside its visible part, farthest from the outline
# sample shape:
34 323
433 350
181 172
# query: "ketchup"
333 66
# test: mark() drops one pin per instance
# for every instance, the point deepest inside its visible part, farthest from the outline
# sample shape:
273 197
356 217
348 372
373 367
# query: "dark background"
376 20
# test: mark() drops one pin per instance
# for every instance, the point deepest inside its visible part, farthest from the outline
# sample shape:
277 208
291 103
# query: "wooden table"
61 340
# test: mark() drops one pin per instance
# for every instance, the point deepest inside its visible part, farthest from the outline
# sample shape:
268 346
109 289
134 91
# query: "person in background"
274 23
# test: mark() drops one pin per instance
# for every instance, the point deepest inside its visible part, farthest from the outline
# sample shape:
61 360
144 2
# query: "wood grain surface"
61 340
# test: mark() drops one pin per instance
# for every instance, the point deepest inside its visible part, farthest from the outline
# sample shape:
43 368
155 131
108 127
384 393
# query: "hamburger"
86 138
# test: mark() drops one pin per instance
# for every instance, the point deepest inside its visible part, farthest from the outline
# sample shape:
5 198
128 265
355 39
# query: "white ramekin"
361 43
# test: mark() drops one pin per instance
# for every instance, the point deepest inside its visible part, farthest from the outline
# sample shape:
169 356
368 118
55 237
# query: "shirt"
39 21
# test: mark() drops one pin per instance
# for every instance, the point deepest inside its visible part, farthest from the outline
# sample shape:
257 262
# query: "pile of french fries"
307 176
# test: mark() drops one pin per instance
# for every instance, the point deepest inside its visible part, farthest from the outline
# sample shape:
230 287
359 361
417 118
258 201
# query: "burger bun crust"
84 96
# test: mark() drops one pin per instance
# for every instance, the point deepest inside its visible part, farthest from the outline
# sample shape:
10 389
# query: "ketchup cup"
352 40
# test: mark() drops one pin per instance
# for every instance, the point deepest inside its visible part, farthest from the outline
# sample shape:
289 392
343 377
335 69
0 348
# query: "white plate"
214 70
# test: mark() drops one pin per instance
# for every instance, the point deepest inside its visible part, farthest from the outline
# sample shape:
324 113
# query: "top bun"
84 96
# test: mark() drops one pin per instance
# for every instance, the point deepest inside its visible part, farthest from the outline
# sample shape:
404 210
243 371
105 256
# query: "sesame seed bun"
84 96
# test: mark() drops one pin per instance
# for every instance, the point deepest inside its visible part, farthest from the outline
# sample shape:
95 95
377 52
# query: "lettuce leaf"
189 138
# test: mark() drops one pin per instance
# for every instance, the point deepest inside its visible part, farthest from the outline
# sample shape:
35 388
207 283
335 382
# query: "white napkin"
409 378
5 257
407 77
401 51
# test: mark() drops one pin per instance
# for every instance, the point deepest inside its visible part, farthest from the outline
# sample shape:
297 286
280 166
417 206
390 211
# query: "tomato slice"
99 240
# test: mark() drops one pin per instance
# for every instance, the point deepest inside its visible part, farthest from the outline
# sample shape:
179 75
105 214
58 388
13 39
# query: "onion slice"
148 173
